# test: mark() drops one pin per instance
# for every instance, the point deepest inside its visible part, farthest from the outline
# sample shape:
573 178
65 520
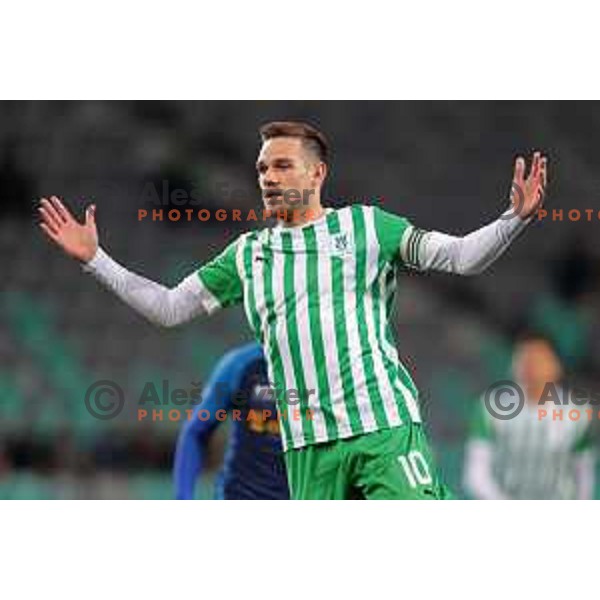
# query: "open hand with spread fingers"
78 240
527 194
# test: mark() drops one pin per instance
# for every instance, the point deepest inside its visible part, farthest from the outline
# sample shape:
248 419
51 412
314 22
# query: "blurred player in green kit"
534 455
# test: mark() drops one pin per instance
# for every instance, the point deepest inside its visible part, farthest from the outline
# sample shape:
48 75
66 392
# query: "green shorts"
391 464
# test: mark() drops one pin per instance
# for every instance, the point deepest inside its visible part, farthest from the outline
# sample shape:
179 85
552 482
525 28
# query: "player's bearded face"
289 175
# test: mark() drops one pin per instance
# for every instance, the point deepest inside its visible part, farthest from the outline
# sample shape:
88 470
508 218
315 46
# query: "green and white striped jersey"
318 298
533 457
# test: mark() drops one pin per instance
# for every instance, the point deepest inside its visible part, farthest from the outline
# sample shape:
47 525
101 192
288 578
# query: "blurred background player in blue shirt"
253 468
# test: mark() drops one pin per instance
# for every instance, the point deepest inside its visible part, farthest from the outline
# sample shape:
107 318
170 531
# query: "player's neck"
304 217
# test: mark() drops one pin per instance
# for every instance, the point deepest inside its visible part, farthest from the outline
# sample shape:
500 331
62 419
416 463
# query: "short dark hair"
309 135
536 336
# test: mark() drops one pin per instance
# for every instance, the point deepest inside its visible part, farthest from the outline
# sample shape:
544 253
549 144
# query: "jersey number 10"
415 469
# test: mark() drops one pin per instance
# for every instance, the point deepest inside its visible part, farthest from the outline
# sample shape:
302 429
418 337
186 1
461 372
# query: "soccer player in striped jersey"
237 391
318 291
528 456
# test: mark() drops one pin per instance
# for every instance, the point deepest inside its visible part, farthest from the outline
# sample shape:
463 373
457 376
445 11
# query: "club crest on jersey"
340 244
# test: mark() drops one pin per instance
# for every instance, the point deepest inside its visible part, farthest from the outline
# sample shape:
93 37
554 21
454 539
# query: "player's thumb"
90 215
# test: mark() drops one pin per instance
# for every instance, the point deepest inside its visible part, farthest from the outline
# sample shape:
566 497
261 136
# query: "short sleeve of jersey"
221 279
398 238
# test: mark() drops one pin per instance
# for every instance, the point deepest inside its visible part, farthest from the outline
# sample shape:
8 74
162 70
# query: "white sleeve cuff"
99 259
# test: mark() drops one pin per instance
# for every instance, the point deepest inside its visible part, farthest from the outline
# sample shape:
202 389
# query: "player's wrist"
89 255
97 259
514 219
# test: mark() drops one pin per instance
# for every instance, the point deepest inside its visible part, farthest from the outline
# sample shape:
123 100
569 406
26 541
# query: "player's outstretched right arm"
159 304
475 252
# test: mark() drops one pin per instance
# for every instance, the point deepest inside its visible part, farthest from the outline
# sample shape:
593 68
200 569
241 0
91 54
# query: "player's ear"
321 172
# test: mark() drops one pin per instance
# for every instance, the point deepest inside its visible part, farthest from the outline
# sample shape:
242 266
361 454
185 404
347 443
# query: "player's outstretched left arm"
473 253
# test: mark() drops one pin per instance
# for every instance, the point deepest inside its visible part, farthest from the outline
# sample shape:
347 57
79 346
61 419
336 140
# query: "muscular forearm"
159 304
467 255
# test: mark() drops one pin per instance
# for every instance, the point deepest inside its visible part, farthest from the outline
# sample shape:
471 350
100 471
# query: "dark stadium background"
445 165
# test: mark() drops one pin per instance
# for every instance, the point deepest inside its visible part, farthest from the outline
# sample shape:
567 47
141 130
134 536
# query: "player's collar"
321 219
